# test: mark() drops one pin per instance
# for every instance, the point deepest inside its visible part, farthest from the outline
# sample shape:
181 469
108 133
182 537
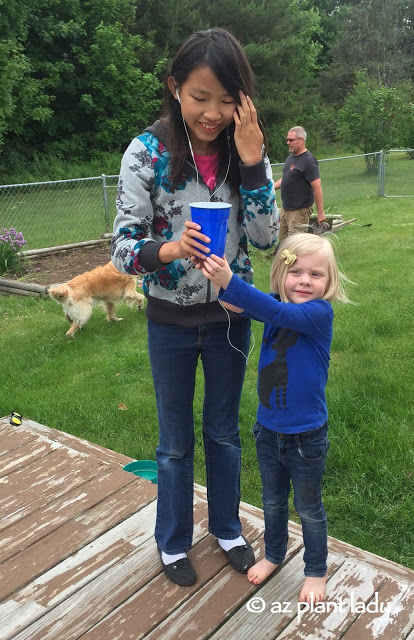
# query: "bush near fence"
69 211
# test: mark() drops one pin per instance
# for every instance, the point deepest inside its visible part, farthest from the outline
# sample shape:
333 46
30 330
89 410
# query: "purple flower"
10 242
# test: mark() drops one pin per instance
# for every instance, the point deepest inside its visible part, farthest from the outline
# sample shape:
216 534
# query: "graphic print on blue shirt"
275 375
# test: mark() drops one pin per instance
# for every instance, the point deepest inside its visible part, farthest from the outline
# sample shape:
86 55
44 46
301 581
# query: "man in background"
300 186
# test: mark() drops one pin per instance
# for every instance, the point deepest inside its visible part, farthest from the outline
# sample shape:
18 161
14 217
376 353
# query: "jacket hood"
160 130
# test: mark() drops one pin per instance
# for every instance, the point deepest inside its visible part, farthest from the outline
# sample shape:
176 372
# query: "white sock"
169 558
226 545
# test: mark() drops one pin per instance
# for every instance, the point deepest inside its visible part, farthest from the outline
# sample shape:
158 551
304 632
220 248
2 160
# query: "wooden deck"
78 560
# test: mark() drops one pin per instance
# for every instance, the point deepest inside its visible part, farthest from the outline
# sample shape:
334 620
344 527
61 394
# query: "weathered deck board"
24 455
40 523
11 440
78 444
90 605
386 615
274 606
78 561
154 602
319 621
114 554
69 539
42 481
215 603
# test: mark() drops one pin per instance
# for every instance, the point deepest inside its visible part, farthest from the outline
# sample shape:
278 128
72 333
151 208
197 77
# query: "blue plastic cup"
213 219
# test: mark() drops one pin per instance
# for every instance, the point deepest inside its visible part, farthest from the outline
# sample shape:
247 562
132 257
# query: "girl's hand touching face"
247 134
218 271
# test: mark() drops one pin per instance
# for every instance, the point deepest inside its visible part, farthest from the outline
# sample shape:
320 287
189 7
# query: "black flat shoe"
241 558
180 572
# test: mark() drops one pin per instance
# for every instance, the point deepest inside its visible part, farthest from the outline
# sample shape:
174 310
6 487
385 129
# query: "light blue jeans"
174 353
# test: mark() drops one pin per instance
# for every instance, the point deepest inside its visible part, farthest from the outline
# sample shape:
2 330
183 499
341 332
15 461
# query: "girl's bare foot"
315 586
260 571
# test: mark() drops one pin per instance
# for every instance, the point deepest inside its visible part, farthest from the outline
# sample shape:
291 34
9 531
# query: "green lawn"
83 385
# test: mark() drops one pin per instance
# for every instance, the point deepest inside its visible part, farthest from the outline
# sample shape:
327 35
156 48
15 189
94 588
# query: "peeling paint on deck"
78 561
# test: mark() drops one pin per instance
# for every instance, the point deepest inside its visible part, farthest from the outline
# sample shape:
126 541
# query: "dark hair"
219 50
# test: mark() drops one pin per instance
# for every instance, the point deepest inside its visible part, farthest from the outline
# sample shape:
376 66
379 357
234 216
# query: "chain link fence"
350 178
59 212
70 211
344 179
396 174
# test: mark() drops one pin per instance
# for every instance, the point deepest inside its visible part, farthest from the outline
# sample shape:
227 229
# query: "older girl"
209 145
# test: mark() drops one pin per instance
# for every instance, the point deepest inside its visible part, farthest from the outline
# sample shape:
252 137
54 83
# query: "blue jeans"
300 458
174 352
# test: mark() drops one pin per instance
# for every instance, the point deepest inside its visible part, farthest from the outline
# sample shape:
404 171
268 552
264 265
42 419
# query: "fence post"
105 197
381 174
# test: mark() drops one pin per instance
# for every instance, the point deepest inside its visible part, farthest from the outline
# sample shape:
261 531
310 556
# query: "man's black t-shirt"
298 172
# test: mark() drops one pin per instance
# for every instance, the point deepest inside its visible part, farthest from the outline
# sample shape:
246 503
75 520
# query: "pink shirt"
207 166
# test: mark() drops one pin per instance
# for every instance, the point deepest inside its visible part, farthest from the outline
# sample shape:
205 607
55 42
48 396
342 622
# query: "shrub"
11 242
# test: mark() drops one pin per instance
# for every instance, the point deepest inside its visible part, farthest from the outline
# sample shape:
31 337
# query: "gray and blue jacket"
150 212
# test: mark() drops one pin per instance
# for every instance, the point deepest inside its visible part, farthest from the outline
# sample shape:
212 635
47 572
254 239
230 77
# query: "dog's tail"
60 292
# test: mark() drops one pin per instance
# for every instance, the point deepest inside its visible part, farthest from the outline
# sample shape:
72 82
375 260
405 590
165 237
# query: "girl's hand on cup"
218 271
189 245
248 136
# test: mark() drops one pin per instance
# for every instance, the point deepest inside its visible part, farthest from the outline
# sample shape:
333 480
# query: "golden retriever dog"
103 285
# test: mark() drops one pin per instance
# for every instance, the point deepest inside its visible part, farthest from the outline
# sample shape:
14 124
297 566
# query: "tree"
118 99
81 75
327 36
73 83
375 118
21 95
167 23
375 35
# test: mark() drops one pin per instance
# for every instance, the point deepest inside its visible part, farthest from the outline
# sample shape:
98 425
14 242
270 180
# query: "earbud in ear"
178 96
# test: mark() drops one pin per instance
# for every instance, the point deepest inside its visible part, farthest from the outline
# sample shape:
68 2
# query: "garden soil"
55 268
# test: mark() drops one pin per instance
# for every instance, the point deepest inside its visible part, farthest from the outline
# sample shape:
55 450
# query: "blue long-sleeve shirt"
294 357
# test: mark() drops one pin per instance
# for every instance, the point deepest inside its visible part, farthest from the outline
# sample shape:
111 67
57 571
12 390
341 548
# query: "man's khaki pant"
295 221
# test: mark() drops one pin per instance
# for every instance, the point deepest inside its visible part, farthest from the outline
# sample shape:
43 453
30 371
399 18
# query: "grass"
83 386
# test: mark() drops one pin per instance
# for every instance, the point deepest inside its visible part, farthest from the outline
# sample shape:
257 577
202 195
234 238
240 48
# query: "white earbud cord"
228 336
228 166
195 163
192 155
213 194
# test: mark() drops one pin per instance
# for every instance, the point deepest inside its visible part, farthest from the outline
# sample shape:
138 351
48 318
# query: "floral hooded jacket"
151 212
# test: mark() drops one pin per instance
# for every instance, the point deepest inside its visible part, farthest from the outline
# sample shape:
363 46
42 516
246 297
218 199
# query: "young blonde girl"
292 418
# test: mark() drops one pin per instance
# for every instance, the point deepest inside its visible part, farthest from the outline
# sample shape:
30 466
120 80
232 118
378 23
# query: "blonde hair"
300 244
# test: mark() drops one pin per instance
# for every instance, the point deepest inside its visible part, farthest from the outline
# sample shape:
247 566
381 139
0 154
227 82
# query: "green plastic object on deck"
144 469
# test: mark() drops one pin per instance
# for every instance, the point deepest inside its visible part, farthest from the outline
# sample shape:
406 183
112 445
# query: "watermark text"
352 605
